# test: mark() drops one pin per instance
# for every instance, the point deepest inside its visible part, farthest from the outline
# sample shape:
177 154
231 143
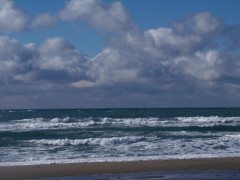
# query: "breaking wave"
89 141
68 123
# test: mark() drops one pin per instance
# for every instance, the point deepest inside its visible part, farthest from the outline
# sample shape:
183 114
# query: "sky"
119 54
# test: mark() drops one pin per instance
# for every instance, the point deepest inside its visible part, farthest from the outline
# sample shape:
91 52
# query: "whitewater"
100 135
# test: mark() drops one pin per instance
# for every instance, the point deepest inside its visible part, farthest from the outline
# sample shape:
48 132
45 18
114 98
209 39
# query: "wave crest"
89 141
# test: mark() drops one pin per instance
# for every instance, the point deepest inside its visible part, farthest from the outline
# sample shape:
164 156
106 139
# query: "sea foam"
33 124
89 141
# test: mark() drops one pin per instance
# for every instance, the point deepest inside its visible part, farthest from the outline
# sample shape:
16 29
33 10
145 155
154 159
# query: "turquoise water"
92 135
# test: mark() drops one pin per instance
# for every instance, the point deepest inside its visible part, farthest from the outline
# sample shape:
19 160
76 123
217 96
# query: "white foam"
59 120
124 145
142 148
133 121
178 122
89 141
67 122
64 123
211 119
42 124
60 160
231 138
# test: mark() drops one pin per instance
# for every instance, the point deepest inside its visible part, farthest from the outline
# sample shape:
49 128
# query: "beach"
62 170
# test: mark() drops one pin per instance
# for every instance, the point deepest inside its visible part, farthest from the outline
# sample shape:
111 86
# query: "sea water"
100 135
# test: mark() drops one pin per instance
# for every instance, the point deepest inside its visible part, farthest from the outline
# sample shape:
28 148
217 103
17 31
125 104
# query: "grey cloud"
12 18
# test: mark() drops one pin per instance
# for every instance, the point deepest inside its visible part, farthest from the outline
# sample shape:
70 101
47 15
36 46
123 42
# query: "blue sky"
147 14
129 53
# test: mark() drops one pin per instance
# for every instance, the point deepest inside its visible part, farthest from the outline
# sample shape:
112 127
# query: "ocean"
100 135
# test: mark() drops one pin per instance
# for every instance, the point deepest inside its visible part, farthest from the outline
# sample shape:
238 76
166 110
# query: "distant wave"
186 123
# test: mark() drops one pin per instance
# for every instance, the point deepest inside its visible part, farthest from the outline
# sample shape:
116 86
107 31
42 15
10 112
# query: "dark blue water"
90 135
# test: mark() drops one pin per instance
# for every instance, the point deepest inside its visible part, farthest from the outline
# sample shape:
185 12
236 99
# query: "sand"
62 170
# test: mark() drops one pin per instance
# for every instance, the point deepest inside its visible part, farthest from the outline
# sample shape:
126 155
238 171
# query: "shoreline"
93 168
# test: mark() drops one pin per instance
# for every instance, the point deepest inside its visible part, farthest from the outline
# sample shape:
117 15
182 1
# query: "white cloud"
59 55
166 55
165 62
103 16
168 43
12 19
202 23
204 66
44 20
54 60
156 55
12 56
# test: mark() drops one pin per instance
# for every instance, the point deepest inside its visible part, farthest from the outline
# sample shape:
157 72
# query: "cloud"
204 66
202 23
195 60
168 44
44 20
14 57
173 57
12 18
106 17
58 54
54 61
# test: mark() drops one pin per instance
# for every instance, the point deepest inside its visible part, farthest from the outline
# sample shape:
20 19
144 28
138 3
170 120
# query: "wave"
59 120
44 124
186 123
229 140
90 141
210 119
151 121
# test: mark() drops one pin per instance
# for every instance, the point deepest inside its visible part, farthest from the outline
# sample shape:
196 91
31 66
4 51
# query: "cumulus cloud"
58 54
202 65
14 57
172 57
12 18
201 24
103 16
44 20
194 58
52 62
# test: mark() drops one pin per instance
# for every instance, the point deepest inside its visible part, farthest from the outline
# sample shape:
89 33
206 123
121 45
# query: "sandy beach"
62 170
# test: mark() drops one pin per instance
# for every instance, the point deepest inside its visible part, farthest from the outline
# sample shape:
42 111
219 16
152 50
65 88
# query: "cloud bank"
195 62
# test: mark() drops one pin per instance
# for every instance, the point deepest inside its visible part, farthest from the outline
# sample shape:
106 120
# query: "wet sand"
62 170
